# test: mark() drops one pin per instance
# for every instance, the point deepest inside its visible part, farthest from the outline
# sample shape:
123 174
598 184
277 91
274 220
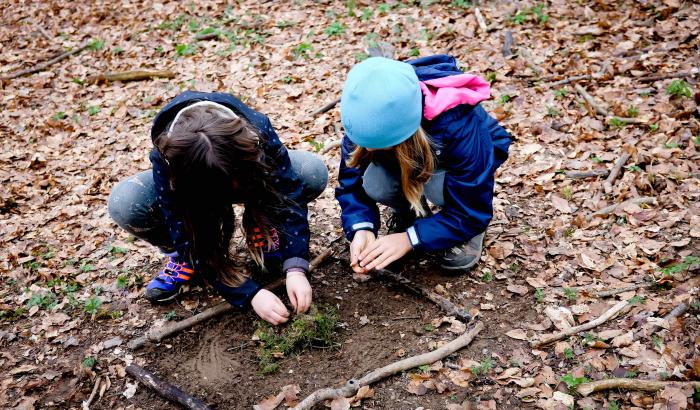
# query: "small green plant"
367 14
569 354
171 315
317 146
567 192
173 25
89 362
92 305
596 159
679 88
637 300
573 382
631 374
539 295
514 267
613 405
284 24
653 127
491 77
684 265
429 328
96 44
424 368
43 301
361 56
185 49
302 50
316 328
487 277
671 144
117 50
463 4
617 123
59 116
503 100
384 8
122 281
552 112
287 79
86 267
634 168
335 29
589 339
561 93
539 13
414 52
570 293
657 341
632 111
484 367
93 110
115 250
569 232
518 18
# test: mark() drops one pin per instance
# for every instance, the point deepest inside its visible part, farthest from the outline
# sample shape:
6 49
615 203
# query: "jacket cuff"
360 226
299 263
413 236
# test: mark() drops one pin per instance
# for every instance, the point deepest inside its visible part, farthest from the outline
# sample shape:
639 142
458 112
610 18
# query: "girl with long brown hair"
212 151
415 132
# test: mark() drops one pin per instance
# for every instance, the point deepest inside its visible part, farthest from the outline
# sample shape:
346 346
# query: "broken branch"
331 145
352 385
421 290
157 334
325 108
586 174
602 111
651 78
644 200
613 292
44 65
547 339
480 20
607 185
629 384
136 75
569 80
507 44
165 389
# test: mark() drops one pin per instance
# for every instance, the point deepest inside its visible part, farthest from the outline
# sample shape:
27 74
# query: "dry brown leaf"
517 334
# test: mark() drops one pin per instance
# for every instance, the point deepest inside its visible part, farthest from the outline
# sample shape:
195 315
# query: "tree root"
165 389
585 389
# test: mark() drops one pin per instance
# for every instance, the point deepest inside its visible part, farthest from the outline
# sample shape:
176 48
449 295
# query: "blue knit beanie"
381 105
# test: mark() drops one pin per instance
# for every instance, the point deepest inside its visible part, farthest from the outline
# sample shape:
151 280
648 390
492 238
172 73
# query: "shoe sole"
160 301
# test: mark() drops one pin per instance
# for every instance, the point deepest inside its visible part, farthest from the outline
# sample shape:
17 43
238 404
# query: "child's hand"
360 242
269 307
380 253
299 291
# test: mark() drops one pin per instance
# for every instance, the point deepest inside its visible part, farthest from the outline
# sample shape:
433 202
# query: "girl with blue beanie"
212 151
415 131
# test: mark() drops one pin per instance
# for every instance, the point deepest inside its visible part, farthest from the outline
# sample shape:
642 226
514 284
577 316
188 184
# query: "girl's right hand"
360 241
269 307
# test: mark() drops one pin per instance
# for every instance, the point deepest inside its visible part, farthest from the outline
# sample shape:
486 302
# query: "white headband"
200 104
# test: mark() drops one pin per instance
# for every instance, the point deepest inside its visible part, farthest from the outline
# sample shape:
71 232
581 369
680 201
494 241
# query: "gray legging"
384 186
132 202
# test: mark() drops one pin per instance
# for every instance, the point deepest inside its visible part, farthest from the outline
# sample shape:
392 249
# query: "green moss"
314 329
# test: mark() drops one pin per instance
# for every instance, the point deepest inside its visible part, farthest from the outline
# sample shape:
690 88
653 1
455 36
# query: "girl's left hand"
299 291
385 250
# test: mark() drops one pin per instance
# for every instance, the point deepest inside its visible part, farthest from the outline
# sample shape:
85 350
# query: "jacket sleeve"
173 219
468 192
292 213
239 296
358 210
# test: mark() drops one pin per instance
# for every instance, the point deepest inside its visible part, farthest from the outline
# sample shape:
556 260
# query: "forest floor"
71 290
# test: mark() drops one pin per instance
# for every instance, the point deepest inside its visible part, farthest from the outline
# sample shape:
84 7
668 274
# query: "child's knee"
127 201
380 185
311 170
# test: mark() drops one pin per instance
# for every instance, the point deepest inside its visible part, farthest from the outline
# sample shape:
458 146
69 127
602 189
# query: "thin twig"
44 65
586 174
568 80
325 108
88 402
156 334
331 145
124 76
547 339
613 292
692 73
507 44
585 389
352 385
421 290
208 36
607 185
644 200
480 20
165 389
602 111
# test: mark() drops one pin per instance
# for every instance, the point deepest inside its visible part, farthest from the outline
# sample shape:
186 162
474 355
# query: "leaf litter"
71 280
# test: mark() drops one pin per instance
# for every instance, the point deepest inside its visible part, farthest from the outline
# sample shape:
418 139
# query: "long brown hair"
416 161
214 156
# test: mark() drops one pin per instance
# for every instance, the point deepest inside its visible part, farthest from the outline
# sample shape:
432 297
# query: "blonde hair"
416 162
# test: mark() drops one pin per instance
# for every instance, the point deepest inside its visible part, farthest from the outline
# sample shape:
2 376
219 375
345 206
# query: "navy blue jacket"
293 228
471 145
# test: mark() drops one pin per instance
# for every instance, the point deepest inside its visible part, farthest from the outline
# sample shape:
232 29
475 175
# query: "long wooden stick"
547 339
44 65
165 389
352 386
607 185
629 384
124 76
586 174
480 19
602 111
644 200
325 108
569 80
421 290
156 334
693 72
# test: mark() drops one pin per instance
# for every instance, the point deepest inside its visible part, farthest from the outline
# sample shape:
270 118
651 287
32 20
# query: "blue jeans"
132 202
383 184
